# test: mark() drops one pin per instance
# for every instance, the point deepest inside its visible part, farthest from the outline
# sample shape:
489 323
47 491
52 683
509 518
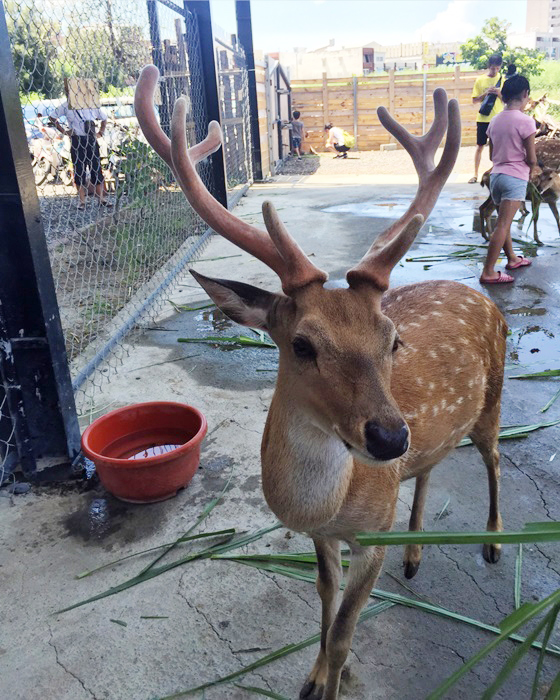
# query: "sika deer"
374 385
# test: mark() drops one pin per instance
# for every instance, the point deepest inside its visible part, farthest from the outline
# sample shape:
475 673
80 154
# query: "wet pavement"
209 618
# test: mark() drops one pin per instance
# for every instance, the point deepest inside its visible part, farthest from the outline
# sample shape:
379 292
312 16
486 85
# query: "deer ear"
242 303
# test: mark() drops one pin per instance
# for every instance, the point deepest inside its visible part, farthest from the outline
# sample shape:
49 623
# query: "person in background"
512 151
84 149
486 85
336 141
297 133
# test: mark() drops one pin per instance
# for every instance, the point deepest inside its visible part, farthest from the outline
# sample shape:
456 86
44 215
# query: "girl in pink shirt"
512 151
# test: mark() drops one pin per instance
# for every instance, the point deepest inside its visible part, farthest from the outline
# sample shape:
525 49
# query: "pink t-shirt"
507 131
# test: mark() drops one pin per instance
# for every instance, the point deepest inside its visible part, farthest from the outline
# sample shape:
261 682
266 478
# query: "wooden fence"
351 103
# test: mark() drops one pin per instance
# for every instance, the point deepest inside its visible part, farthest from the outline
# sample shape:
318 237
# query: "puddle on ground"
214 318
528 311
98 519
531 344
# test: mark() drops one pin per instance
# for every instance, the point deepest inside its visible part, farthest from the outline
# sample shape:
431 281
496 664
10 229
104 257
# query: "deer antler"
277 248
376 265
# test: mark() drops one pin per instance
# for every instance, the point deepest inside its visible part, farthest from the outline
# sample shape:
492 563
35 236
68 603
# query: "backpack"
349 140
488 102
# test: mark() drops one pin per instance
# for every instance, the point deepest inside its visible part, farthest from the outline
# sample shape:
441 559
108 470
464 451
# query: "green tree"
493 39
34 41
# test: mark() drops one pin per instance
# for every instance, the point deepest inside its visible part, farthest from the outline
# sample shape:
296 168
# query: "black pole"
200 9
245 37
35 375
166 107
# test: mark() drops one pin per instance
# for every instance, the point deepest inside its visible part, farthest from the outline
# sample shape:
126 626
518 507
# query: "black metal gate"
107 267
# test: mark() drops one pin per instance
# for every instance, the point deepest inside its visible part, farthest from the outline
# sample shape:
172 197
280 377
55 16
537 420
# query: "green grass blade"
122 623
442 511
517 583
509 625
554 690
514 660
549 404
514 431
205 513
371 611
538 375
135 580
309 577
241 340
548 632
181 540
532 532
261 691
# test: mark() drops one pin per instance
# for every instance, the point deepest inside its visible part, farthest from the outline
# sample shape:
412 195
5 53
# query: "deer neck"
306 472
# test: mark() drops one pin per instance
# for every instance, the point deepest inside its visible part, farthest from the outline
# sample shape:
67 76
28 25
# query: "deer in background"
547 182
375 385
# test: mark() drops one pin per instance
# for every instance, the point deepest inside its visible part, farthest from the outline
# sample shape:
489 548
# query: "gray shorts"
504 186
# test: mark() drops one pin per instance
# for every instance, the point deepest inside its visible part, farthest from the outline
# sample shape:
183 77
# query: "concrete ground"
214 617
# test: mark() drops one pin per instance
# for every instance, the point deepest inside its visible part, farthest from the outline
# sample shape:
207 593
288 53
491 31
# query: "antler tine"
421 149
302 270
376 265
281 253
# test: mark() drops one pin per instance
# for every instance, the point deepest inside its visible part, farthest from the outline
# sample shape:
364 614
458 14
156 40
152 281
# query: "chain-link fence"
8 454
118 228
234 98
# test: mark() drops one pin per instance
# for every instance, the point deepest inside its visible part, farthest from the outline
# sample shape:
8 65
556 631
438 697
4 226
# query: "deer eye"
398 342
303 348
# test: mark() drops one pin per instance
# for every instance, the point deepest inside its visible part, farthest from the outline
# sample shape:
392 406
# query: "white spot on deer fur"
399 298
433 354
402 328
410 416
419 381
463 306
437 313
431 386
471 300
452 408
462 320
414 324
423 408
451 389
435 410
460 400
471 382
443 403
465 341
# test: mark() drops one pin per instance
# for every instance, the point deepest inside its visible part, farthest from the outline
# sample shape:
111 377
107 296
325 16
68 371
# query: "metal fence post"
355 94
201 11
166 108
245 36
37 379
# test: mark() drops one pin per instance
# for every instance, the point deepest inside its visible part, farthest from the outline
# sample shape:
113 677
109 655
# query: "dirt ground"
376 162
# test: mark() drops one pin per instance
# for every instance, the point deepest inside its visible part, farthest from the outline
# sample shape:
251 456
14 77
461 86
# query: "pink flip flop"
502 278
520 263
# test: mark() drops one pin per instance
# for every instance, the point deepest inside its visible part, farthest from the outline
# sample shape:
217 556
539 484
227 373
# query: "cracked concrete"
214 617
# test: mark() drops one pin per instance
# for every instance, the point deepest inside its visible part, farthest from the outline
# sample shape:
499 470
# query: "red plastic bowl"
148 451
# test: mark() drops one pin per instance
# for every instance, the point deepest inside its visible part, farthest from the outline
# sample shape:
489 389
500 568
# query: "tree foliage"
493 39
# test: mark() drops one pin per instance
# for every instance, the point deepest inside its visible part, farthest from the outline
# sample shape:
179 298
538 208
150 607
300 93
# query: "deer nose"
386 444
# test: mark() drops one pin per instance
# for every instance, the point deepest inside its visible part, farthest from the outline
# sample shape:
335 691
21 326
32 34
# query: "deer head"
336 345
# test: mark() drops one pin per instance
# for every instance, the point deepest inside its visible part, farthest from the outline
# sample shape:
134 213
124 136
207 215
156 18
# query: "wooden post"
392 97
457 81
325 100
355 95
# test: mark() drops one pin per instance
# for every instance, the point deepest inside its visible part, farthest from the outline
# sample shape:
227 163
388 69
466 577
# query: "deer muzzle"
384 444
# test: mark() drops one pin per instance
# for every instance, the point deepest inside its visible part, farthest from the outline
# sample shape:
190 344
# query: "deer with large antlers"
375 385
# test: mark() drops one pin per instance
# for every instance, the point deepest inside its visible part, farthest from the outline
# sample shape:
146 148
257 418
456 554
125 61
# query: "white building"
547 42
301 64
542 15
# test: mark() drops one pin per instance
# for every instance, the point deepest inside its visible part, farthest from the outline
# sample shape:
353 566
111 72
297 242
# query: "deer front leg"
328 584
364 569
554 210
413 552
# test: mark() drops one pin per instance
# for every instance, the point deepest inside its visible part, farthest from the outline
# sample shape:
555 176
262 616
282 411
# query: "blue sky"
284 24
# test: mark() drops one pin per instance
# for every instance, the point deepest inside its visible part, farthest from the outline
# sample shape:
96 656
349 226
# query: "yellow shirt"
481 85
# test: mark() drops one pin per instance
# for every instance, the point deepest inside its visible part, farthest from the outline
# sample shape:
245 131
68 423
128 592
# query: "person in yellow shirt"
486 85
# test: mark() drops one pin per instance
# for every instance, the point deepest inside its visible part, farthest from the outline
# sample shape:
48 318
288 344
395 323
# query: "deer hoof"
492 553
410 569
311 691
